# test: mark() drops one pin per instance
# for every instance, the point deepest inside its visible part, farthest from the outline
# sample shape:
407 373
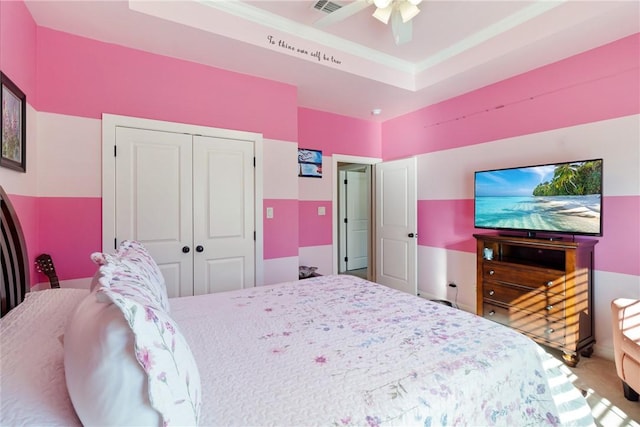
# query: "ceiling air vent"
326 6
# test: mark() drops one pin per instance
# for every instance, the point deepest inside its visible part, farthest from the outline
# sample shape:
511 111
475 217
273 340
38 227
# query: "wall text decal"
317 54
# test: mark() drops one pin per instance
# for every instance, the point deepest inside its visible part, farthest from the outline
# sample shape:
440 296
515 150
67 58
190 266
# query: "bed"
331 350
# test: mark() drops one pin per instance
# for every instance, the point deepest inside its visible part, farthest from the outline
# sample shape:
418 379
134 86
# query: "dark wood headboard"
14 277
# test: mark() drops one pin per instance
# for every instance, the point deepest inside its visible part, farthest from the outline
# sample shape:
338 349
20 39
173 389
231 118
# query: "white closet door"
224 223
154 200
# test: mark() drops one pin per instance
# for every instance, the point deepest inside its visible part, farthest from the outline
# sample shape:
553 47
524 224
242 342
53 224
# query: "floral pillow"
164 355
126 362
133 264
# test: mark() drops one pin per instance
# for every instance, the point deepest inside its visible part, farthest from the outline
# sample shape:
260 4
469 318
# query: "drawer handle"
492 312
549 331
491 272
491 292
549 307
549 283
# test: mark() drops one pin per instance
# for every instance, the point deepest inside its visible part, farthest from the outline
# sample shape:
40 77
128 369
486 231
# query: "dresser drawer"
526 276
540 327
521 298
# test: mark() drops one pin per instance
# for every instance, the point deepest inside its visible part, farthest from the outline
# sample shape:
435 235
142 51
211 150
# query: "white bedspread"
333 350
33 391
337 350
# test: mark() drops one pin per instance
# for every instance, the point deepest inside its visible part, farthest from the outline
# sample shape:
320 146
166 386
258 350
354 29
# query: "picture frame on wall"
309 163
13 121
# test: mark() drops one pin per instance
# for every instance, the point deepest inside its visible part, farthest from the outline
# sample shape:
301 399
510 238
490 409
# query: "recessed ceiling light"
376 112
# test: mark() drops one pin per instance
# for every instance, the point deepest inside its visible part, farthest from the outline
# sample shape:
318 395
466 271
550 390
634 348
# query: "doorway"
346 164
354 219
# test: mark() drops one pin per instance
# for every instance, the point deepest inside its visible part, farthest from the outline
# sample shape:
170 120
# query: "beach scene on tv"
563 197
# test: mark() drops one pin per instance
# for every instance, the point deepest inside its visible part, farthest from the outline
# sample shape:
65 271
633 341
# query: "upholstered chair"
626 344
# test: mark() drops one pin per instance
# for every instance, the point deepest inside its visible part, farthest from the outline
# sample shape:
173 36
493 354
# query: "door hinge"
254 162
345 220
115 150
345 182
254 235
115 243
346 259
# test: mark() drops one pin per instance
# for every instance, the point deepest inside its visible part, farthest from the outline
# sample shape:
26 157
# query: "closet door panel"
154 200
223 206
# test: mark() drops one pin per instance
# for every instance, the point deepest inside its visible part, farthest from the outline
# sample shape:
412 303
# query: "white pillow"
132 263
126 362
105 381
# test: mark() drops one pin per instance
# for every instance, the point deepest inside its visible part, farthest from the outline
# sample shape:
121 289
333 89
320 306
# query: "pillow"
132 263
105 382
126 363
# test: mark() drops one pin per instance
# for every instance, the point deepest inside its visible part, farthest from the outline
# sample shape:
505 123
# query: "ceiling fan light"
408 11
383 15
382 4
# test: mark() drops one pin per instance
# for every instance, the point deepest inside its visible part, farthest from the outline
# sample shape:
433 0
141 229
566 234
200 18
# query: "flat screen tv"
561 198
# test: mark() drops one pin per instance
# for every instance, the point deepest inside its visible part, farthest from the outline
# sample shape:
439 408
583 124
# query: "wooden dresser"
543 288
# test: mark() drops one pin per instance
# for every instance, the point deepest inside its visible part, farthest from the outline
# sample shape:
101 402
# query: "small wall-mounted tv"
552 198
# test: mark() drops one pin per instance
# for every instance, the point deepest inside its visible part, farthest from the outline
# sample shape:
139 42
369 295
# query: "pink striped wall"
600 84
83 77
335 134
18 62
315 230
18 46
596 85
281 231
62 220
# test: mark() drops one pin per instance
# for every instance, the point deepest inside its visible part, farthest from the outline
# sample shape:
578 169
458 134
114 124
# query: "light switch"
321 210
269 213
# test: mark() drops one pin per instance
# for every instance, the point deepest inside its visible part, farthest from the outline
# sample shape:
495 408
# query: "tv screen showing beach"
563 197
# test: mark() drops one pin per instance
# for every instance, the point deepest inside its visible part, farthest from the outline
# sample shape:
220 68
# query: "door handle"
185 249
412 235
199 248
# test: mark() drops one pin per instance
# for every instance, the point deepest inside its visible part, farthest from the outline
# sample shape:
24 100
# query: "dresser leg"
570 359
587 352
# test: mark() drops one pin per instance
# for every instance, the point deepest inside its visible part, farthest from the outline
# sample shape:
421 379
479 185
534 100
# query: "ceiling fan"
399 12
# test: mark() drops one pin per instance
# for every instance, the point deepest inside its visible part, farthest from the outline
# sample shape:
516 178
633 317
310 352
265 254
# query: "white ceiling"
457 46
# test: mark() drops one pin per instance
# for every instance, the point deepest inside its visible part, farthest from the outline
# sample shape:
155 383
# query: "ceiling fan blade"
402 31
343 13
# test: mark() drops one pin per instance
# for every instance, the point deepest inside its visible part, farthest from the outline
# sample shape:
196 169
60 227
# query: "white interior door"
396 224
154 200
224 223
357 214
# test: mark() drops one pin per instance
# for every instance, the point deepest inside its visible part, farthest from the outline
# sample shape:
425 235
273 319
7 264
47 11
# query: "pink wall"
335 134
281 231
62 220
80 77
18 62
84 77
596 85
600 84
315 230
18 46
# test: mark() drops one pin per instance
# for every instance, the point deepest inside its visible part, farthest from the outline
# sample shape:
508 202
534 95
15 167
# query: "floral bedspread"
338 350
